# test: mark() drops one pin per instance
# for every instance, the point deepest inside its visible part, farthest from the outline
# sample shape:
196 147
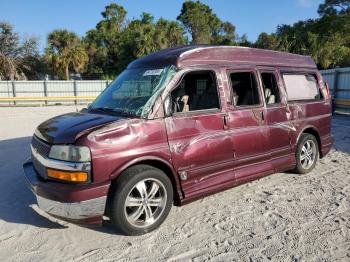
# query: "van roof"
191 55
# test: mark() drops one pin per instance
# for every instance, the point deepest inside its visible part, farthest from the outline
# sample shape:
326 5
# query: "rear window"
301 87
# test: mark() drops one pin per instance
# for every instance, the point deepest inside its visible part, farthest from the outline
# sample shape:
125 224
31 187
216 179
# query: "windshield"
134 91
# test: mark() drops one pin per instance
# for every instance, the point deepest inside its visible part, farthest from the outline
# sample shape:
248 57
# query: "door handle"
258 115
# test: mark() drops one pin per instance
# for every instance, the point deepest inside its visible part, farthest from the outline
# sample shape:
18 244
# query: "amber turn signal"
67 175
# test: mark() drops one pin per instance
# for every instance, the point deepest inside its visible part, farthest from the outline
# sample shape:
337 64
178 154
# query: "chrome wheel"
308 154
145 202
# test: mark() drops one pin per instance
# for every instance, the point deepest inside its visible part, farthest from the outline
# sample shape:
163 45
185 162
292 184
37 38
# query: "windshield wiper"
123 112
111 110
104 109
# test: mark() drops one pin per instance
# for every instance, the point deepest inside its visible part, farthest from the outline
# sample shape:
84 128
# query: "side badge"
183 175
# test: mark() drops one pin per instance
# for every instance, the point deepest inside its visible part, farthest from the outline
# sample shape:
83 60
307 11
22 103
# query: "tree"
225 34
267 41
18 57
334 7
200 21
143 36
326 39
114 18
243 41
102 43
329 52
114 43
170 33
65 51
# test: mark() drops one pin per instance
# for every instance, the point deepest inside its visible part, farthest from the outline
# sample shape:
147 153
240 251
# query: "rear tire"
307 153
141 200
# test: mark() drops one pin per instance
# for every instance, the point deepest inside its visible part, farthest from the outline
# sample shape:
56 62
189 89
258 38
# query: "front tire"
307 154
141 200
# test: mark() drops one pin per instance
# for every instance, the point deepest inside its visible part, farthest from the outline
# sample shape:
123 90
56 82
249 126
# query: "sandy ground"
283 217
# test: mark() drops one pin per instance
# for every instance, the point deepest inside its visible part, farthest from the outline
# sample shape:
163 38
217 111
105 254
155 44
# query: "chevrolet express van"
175 126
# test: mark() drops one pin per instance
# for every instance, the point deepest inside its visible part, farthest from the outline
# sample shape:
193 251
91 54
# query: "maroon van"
178 125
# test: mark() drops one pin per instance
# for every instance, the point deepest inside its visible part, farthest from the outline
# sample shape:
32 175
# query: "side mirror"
168 111
85 109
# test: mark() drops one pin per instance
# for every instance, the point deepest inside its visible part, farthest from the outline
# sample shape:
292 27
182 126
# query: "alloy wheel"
145 202
308 154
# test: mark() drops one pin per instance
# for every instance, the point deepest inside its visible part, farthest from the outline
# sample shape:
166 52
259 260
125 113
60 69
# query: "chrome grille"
40 146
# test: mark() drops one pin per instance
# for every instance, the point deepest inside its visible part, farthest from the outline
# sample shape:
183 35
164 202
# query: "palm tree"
17 55
65 51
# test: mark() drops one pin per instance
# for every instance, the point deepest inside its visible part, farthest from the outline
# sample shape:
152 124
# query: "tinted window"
301 87
197 91
244 89
271 92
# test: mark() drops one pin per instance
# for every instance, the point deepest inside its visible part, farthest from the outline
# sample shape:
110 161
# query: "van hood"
67 128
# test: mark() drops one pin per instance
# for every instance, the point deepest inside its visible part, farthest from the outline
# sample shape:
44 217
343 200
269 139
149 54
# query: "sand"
282 217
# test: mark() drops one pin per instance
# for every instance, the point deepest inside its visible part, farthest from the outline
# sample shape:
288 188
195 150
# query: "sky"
39 17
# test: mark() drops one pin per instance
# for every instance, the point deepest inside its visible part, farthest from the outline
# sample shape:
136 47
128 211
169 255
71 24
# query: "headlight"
70 153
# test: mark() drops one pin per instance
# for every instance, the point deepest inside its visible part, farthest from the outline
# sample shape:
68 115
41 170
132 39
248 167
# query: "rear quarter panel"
312 114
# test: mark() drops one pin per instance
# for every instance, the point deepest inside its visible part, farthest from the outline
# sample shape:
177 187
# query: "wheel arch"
155 162
313 131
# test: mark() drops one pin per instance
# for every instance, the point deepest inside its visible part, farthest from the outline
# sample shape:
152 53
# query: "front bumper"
81 204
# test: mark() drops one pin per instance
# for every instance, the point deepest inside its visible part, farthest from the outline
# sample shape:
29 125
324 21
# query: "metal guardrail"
342 102
81 91
46 98
50 92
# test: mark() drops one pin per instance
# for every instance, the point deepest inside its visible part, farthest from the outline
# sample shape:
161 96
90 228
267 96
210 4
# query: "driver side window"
197 91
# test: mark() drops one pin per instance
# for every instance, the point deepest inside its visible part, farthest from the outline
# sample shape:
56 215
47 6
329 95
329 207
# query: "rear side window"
271 92
301 87
245 90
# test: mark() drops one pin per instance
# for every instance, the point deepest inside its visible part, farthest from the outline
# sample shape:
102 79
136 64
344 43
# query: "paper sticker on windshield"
154 72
